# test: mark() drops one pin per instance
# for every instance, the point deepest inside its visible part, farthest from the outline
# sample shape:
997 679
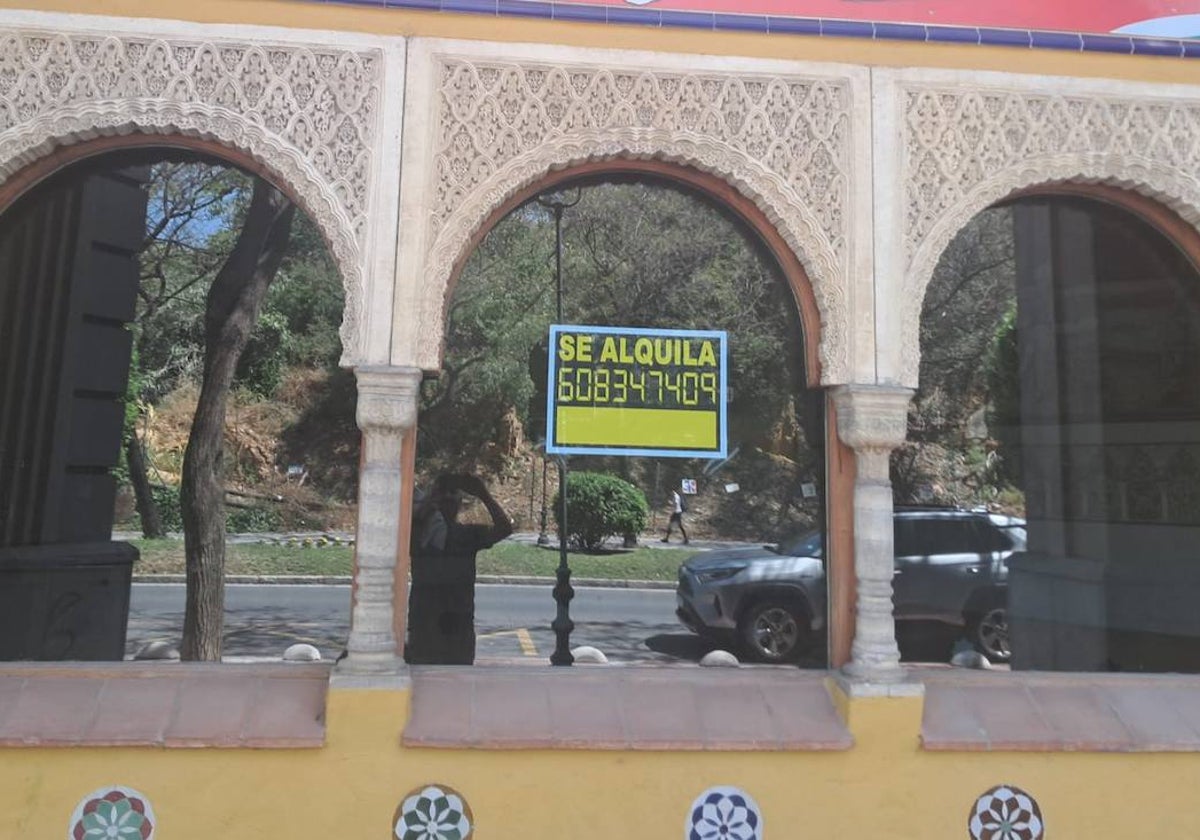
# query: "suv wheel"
774 631
989 633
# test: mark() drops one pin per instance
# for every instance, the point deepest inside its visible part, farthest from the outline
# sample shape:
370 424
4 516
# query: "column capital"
872 417
387 397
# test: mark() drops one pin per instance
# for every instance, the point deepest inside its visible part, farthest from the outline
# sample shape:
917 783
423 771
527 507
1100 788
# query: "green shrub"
166 499
253 520
237 520
600 506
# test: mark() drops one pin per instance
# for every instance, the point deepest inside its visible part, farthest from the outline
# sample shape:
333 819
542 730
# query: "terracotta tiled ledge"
1045 712
615 708
163 704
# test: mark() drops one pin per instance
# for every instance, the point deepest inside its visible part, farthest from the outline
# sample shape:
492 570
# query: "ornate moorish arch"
965 146
785 136
308 114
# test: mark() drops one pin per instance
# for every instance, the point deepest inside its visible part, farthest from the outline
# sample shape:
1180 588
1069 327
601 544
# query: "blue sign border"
551 375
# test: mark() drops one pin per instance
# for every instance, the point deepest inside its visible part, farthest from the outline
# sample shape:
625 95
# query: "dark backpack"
683 502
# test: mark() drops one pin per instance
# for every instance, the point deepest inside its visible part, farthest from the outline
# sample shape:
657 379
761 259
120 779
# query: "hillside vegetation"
634 254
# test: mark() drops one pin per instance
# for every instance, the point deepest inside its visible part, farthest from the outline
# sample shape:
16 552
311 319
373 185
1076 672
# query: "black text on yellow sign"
632 391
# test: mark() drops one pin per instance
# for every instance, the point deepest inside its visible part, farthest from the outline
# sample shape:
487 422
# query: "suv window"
906 538
926 536
995 538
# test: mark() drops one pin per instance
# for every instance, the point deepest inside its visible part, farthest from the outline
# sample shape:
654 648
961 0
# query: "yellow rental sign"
632 391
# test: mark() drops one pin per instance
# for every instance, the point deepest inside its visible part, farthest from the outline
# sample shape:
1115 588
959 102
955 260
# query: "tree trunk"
152 527
230 314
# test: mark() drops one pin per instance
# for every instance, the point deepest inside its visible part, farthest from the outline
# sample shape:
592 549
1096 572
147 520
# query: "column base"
371 664
898 683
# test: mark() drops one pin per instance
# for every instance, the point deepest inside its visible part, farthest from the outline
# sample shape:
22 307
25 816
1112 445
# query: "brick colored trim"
610 708
163 705
1043 712
840 472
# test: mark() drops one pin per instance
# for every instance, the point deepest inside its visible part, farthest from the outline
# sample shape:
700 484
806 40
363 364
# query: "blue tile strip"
900 32
1005 37
741 23
1108 43
1155 46
775 24
487 7
1058 40
693 20
524 9
569 11
640 17
848 28
794 26
953 34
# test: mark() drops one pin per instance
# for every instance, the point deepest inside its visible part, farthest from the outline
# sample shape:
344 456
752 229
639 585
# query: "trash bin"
65 601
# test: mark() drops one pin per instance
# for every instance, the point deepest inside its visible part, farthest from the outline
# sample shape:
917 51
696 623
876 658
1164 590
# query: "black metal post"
562 625
543 537
563 591
532 487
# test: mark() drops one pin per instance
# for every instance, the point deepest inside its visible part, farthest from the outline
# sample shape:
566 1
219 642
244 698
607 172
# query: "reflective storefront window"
1061 388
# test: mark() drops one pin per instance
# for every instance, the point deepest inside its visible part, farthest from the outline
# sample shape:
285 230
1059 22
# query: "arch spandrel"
964 149
307 114
785 142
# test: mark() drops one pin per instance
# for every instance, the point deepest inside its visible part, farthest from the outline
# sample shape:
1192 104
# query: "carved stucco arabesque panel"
308 113
783 141
964 148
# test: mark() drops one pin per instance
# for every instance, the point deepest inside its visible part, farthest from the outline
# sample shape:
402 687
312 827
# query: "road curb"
343 580
263 579
519 580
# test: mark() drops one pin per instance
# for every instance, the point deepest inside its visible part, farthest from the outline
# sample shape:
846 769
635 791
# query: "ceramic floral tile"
433 813
112 813
1006 813
724 813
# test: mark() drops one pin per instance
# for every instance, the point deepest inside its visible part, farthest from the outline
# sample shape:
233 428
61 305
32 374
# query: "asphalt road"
512 622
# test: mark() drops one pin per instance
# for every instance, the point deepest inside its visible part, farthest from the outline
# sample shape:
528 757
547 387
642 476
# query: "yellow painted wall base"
885 787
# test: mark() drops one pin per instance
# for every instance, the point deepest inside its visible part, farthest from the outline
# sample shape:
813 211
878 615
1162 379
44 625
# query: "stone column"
387 407
873 420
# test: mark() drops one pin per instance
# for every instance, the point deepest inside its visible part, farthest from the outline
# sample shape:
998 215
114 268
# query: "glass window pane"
1060 388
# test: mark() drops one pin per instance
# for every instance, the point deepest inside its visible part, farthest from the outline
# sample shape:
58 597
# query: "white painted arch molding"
794 224
786 142
305 112
964 149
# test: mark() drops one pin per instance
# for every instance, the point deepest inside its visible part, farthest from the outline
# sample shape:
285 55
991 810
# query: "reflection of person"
441 604
677 511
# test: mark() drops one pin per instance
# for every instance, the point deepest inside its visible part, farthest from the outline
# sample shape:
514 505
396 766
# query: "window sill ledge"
162 705
623 709
1046 712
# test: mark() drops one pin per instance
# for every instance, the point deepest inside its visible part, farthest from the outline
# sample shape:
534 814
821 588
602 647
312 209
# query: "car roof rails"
930 507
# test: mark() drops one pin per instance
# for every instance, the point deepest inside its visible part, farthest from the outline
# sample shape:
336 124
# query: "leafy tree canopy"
635 254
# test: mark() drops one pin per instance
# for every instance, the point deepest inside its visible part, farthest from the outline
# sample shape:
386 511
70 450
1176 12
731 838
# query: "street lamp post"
543 538
563 591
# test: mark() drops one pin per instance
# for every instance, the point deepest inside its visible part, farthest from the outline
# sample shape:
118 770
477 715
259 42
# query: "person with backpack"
678 509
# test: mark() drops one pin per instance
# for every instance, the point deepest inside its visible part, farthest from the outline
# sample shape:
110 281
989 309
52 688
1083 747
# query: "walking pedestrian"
678 506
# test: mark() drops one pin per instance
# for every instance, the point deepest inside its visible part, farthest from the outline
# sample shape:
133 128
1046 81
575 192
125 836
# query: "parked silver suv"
951 567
